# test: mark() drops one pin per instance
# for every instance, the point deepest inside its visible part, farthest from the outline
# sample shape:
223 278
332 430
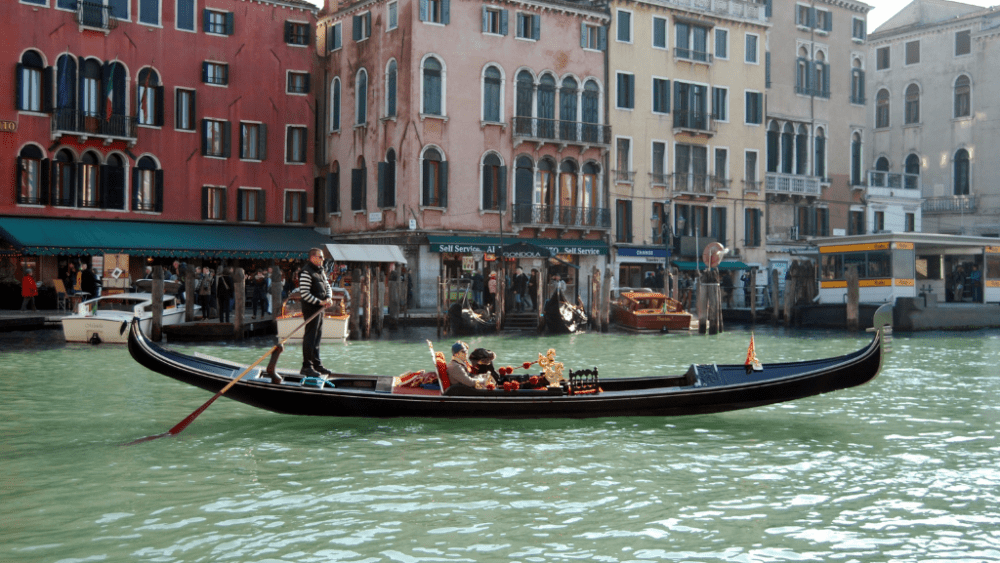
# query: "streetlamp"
668 242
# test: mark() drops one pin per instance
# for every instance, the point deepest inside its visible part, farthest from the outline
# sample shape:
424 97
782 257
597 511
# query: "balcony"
95 15
542 130
659 179
693 56
751 186
527 215
695 184
817 92
624 176
893 184
792 184
68 121
697 122
951 204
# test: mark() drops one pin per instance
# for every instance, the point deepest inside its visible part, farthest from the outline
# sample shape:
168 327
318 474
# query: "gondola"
562 317
708 388
466 319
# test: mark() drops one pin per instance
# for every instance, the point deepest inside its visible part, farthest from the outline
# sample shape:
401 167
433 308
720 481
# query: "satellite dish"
713 253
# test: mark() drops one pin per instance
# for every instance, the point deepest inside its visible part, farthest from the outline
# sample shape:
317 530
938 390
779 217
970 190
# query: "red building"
191 111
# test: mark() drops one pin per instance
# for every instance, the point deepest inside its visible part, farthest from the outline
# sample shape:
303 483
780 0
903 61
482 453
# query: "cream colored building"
816 124
686 85
934 115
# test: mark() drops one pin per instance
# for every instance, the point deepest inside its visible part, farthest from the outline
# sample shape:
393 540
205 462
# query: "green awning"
725 265
37 236
491 244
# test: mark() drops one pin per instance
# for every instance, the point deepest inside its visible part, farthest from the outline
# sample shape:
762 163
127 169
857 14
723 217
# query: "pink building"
451 125
136 111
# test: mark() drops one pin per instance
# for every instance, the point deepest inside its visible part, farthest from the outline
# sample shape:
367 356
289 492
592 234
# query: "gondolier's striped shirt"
309 294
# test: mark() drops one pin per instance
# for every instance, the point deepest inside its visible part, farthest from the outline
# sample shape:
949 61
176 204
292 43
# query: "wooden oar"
190 418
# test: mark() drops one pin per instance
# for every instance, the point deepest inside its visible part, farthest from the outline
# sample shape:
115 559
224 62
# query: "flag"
752 362
110 92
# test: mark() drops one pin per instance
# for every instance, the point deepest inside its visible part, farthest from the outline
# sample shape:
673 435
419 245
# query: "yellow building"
686 85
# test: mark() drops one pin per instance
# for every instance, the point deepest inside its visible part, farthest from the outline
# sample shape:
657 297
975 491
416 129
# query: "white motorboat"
100 319
335 320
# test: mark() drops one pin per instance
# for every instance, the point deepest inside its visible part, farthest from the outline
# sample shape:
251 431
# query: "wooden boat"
562 317
643 310
702 389
335 319
100 319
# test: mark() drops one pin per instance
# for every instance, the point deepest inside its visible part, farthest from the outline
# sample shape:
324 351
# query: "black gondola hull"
704 389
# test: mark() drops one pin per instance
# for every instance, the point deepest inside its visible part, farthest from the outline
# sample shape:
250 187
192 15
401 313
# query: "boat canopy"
366 253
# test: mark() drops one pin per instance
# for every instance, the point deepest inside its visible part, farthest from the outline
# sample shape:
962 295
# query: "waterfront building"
817 138
128 113
934 118
450 126
687 115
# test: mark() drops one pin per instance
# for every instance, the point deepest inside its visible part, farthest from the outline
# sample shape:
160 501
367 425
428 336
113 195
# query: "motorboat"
335 319
100 319
644 310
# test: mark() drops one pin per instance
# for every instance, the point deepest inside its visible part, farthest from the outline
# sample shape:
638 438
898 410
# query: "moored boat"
643 310
706 388
562 317
100 319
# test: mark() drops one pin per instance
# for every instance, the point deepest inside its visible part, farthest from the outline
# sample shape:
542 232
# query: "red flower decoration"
514 386
506 386
526 365
534 380
490 386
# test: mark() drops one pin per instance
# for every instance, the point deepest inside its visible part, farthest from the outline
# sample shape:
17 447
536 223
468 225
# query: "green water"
902 469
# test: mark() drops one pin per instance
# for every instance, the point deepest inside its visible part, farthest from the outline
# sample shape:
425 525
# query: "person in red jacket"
29 290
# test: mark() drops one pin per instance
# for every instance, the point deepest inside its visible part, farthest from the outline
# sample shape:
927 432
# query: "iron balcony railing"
557 215
951 204
880 179
751 186
791 184
661 179
692 55
624 176
696 184
74 121
95 15
694 121
559 131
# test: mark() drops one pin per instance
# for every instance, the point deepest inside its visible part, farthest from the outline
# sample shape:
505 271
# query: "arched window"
882 109
591 112
335 105
912 105
523 105
802 151
29 82
433 85
361 98
821 72
787 150
89 180
773 153
567 109
802 71
545 192
882 164
114 74
567 186
590 199
962 177
912 170
149 97
545 109
30 166
492 83
387 181
63 180
494 193
523 190
359 186
963 96
820 147
113 183
147 186
390 89
90 89
857 82
856 159
435 179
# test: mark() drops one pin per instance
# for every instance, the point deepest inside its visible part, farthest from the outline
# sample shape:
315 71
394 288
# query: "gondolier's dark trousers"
312 336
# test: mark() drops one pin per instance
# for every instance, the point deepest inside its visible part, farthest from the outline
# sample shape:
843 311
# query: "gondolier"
316 294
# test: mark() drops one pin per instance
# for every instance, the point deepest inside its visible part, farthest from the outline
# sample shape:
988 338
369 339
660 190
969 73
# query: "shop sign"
8 126
643 252
495 249
375 217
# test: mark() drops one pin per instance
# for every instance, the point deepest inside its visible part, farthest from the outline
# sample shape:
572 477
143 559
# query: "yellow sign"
854 247
903 245
904 283
992 283
993 250
8 126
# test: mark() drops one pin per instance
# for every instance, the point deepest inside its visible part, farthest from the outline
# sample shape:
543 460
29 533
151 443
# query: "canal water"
902 469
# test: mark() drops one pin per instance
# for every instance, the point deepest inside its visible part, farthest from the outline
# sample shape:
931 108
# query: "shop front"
634 263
